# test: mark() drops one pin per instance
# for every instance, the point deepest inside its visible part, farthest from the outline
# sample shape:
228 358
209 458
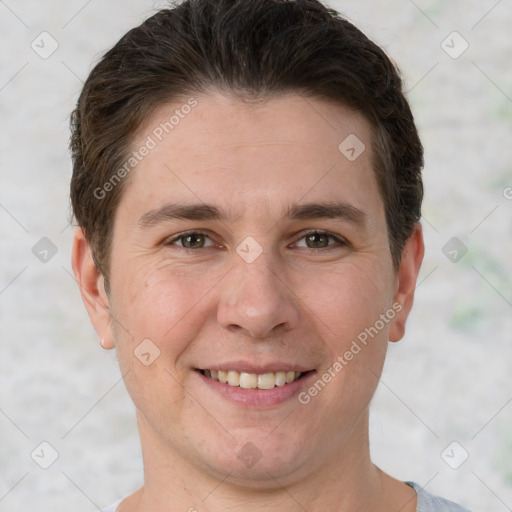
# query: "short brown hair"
253 49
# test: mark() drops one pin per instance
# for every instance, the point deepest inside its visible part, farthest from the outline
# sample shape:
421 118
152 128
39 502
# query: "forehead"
225 151
289 118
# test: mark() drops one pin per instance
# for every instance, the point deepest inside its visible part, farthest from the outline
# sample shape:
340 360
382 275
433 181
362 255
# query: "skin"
294 303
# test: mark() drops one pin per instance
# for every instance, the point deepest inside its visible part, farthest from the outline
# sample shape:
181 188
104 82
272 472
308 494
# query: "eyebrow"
200 211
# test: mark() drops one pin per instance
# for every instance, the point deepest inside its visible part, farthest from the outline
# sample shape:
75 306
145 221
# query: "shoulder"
426 502
429 503
112 507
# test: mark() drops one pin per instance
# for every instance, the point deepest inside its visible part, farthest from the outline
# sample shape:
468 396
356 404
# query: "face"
248 242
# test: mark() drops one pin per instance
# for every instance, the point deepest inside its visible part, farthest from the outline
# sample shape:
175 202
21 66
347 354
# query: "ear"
92 289
407 275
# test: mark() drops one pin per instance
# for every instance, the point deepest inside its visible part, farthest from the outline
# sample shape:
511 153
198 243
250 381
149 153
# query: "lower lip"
258 398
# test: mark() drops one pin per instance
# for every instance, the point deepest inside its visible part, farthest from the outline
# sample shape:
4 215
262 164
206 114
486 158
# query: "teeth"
252 380
281 378
233 378
266 380
248 380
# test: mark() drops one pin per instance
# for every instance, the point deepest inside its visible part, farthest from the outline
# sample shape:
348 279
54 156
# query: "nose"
257 300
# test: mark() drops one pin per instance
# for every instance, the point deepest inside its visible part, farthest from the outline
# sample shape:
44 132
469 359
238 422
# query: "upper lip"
248 367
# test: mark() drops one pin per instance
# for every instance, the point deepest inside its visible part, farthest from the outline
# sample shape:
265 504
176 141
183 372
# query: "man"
247 185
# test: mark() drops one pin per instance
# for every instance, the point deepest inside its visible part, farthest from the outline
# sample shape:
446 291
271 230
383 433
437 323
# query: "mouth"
262 381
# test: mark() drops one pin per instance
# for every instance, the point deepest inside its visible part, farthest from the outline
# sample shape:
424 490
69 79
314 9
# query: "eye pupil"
192 237
318 235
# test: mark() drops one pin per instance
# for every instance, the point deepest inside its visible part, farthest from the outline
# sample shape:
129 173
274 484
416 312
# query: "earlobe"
92 289
406 278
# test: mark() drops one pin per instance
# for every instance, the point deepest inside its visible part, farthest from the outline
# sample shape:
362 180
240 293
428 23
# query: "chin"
261 458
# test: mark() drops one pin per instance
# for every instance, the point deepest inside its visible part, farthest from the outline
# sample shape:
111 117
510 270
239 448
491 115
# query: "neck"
338 480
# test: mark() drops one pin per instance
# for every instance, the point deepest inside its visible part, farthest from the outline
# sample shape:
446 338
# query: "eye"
313 239
191 240
320 240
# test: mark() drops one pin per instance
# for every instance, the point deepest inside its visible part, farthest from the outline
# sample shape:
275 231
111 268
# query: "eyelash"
341 242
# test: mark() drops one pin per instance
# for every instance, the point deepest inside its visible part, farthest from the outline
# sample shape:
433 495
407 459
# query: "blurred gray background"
442 415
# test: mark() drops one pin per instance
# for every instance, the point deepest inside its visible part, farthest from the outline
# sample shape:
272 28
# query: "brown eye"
317 240
191 240
320 240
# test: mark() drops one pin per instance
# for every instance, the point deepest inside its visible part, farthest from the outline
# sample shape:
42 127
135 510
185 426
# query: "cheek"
164 304
157 320
157 302
347 300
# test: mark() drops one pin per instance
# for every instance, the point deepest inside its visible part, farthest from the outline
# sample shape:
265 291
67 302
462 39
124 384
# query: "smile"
253 380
